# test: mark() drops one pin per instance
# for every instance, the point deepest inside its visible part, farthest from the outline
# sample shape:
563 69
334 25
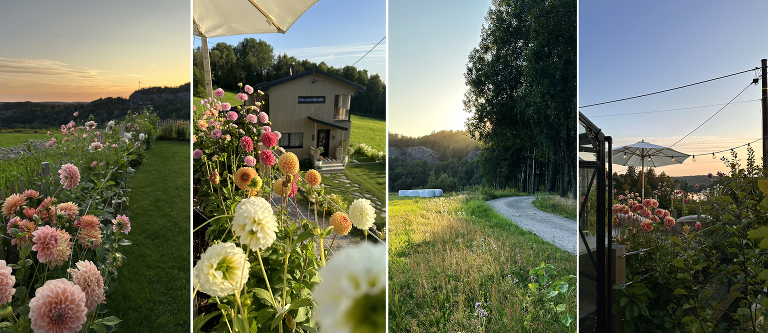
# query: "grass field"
556 205
153 292
447 254
370 131
10 139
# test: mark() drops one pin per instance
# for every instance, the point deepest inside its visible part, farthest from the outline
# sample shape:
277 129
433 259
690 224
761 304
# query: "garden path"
555 229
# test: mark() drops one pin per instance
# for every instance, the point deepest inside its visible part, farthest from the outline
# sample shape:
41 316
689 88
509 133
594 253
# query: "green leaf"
624 301
99 327
679 291
678 262
124 242
560 308
264 295
197 323
309 329
112 320
676 240
300 303
763 275
761 232
264 315
566 319
304 236
763 185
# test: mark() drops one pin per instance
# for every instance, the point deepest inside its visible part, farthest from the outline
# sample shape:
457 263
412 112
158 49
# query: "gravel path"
550 227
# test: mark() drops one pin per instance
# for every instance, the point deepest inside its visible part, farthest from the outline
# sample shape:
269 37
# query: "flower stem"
258 253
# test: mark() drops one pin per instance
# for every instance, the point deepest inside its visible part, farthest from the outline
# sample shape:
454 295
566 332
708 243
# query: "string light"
713 156
673 158
694 158
649 158
625 155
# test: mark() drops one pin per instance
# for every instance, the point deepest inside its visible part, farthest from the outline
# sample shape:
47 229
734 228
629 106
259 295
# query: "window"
341 107
292 140
311 99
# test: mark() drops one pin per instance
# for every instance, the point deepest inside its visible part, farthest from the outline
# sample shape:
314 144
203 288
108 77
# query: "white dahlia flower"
255 223
352 294
141 136
362 214
220 269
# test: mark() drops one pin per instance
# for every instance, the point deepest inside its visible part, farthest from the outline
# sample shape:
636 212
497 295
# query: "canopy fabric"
644 154
236 17
637 155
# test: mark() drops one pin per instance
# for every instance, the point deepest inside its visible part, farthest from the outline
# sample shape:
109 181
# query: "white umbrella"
644 153
216 18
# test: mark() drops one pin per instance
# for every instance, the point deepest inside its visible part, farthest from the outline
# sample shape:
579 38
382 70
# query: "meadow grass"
10 139
370 131
152 294
557 205
447 254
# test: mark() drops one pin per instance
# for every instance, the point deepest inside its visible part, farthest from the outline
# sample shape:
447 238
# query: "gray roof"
264 86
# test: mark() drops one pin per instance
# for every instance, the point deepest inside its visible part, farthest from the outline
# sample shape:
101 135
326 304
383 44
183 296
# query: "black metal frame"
602 170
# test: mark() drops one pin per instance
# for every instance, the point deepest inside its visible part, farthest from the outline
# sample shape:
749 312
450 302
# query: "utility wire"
658 92
668 110
369 51
718 111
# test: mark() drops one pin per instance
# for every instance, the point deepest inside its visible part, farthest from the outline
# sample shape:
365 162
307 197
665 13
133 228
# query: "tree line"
254 61
34 115
521 95
454 171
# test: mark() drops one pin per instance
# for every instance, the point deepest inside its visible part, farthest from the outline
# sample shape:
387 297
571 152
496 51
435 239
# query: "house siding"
288 116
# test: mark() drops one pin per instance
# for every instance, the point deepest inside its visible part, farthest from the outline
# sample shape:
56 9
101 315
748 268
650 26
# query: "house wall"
288 116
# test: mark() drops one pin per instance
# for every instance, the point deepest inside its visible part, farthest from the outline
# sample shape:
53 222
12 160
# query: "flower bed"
709 275
257 269
63 230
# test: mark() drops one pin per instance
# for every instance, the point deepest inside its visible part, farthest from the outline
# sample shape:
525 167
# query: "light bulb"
649 159
713 156
673 158
625 155
694 158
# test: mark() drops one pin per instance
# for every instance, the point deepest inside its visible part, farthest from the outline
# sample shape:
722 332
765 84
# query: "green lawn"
370 131
153 292
10 139
370 177
447 254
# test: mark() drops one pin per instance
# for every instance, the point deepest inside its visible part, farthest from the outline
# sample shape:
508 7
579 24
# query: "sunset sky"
429 48
633 48
84 50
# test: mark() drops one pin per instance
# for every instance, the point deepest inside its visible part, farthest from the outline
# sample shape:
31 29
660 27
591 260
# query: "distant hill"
167 102
447 144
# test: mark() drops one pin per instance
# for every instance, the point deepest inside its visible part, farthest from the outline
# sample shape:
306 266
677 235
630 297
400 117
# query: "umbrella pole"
207 69
642 171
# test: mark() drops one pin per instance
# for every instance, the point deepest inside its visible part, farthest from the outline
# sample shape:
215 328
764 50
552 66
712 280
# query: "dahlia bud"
214 178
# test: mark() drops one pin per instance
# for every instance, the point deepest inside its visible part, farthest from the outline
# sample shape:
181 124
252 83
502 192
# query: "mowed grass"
371 178
9 139
370 131
446 254
557 205
153 291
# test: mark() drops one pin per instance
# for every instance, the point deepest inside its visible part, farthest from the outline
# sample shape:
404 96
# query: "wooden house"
311 110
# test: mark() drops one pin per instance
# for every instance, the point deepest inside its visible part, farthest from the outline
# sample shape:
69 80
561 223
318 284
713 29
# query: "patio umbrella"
216 18
644 153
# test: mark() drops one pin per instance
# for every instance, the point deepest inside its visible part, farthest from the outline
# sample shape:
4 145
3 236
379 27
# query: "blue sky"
82 50
338 32
429 44
632 48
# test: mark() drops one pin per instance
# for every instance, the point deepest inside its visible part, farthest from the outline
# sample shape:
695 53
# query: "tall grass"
565 207
447 254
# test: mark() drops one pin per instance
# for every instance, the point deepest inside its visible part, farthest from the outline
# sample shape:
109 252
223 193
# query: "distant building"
311 110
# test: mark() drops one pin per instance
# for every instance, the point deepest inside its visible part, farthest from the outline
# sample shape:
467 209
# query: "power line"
718 111
666 90
369 51
667 110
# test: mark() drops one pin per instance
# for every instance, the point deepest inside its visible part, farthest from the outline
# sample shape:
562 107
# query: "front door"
324 140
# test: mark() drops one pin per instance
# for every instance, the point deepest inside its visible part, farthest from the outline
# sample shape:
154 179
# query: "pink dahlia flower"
294 187
263 118
58 307
63 251
46 240
250 161
216 133
709 175
226 106
7 280
197 154
70 176
232 115
246 143
698 226
269 139
278 134
218 93
88 221
88 277
30 212
267 157
251 118
696 187
242 97
89 238
669 222
646 225
71 124
267 129
69 209
12 204
93 164
121 224
248 89
76 113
